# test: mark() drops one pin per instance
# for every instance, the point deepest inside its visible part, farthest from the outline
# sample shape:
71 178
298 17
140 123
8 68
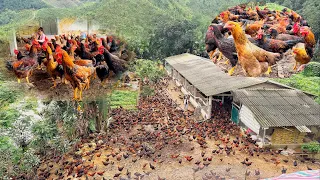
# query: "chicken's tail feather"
291 43
9 65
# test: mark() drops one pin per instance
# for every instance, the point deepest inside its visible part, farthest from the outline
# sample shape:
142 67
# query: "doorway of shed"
221 104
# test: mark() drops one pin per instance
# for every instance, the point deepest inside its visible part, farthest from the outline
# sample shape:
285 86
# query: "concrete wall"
180 82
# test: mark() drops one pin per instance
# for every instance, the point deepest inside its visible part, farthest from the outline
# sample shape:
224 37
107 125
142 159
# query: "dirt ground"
176 95
169 168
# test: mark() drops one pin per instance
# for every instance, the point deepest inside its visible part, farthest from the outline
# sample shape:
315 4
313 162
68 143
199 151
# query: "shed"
206 82
278 109
202 79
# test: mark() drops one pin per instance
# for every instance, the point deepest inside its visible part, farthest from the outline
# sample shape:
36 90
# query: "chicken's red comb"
304 30
16 52
45 44
58 48
101 50
296 24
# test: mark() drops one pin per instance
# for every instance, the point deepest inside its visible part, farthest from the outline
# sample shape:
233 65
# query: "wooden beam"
209 107
264 136
224 95
13 42
58 29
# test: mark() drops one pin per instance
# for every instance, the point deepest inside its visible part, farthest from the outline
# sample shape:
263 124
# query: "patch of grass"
8 116
30 104
274 6
7 95
126 99
304 83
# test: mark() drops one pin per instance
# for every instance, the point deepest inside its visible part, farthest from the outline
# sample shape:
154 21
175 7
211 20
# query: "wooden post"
13 43
264 135
209 107
88 26
58 29
139 91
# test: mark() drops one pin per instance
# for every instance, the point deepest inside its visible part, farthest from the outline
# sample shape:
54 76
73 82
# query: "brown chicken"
283 37
308 37
274 45
77 75
253 59
23 67
301 55
252 29
54 69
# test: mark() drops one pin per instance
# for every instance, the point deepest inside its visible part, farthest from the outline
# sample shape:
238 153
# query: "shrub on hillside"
312 69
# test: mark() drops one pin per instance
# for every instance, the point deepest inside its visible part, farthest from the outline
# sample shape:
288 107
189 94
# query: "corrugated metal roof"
303 129
206 76
280 107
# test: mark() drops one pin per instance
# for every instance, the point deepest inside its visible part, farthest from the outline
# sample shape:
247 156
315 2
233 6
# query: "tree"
172 38
311 13
147 69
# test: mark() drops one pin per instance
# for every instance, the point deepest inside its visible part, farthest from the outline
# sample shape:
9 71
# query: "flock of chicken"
71 58
259 38
159 137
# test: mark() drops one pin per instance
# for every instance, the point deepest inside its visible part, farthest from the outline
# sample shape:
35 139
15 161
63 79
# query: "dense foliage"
313 147
148 70
312 69
308 9
17 5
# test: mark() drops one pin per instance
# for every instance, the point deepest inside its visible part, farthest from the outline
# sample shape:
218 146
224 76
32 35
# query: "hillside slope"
66 3
132 19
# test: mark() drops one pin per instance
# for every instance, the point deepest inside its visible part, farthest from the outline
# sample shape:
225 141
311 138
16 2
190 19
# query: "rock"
148 147
149 128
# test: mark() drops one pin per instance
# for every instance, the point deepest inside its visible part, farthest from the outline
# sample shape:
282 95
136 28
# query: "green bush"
313 147
7 95
148 69
312 69
8 116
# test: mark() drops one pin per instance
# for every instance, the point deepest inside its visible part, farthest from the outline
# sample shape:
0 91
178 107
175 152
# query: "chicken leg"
75 94
211 54
295 66
220 56
269 70
230 72
27 78
54 84
80 95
